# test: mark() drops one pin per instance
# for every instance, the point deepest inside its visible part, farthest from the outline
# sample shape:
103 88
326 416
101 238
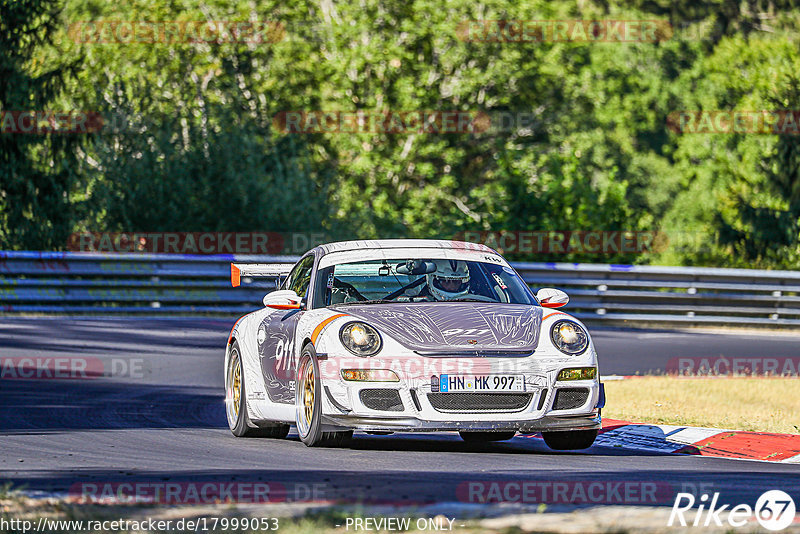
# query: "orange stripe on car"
321 326
552 314
239 320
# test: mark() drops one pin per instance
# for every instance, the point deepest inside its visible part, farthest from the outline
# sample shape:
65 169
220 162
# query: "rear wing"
271 270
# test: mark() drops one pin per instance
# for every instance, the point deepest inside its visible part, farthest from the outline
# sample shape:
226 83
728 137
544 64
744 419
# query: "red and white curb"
711 442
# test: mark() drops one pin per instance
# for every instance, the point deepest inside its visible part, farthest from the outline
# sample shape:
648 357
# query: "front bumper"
414 411
410 424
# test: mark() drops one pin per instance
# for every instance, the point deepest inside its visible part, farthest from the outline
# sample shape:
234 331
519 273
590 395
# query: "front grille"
569 398
384 400
479 402
414 398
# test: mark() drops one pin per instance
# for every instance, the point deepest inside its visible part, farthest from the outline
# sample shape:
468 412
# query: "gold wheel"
305 398
308 393
235 390
308 398
237 387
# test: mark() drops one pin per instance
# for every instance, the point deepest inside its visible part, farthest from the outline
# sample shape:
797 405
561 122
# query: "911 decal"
284 356
466 331
278 356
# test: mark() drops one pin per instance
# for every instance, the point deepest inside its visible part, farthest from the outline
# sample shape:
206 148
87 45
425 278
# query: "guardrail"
74 283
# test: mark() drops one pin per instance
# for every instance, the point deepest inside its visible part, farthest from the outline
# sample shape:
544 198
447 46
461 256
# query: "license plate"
480 383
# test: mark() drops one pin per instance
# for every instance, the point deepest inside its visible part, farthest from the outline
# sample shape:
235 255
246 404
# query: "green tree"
191 145
769 229
202 152
38 172
735 192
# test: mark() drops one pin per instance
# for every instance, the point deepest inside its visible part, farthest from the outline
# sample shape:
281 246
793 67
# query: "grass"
753 404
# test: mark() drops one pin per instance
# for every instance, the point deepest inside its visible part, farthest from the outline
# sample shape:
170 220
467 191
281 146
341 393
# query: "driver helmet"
449 281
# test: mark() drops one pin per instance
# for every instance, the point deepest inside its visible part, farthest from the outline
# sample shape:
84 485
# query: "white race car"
409 336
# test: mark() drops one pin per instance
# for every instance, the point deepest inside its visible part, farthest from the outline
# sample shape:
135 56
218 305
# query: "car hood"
439 328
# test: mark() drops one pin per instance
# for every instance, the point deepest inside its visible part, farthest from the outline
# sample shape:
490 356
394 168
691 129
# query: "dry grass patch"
753 404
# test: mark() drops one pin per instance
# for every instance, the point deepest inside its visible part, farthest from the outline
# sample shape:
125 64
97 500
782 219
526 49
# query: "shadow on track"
113 335
97 404
449 442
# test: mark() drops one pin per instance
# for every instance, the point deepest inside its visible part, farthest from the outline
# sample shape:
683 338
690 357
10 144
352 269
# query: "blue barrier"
75 283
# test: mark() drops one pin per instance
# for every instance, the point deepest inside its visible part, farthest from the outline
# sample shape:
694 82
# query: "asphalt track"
163 422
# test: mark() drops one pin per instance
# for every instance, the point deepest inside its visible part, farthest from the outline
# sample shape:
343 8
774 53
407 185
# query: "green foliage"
37 172
199 150
737 189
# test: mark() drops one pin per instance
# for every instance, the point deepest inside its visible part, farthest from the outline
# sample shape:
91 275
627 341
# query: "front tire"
571 440
308 404
236 403
486 436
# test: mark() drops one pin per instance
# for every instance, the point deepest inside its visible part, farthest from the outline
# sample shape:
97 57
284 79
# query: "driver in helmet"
450 281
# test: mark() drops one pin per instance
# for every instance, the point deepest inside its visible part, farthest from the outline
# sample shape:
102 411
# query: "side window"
300 277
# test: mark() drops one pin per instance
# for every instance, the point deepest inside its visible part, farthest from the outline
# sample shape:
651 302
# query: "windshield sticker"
499 281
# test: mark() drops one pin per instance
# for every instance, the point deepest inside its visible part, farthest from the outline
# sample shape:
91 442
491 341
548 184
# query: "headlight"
569 337
360 339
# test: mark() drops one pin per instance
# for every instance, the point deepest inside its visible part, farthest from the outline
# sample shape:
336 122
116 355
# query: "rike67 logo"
774 510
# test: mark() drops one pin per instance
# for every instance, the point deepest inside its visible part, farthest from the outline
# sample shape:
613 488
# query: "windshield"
420 280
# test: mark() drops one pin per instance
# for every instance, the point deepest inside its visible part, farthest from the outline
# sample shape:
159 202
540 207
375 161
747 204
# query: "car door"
277 351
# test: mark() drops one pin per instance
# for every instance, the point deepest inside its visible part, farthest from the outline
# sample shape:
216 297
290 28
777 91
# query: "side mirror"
285 299
549 297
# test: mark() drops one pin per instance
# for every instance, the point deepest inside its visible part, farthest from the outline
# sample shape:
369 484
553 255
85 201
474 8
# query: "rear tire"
308 404
485 436
236 403
571 440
